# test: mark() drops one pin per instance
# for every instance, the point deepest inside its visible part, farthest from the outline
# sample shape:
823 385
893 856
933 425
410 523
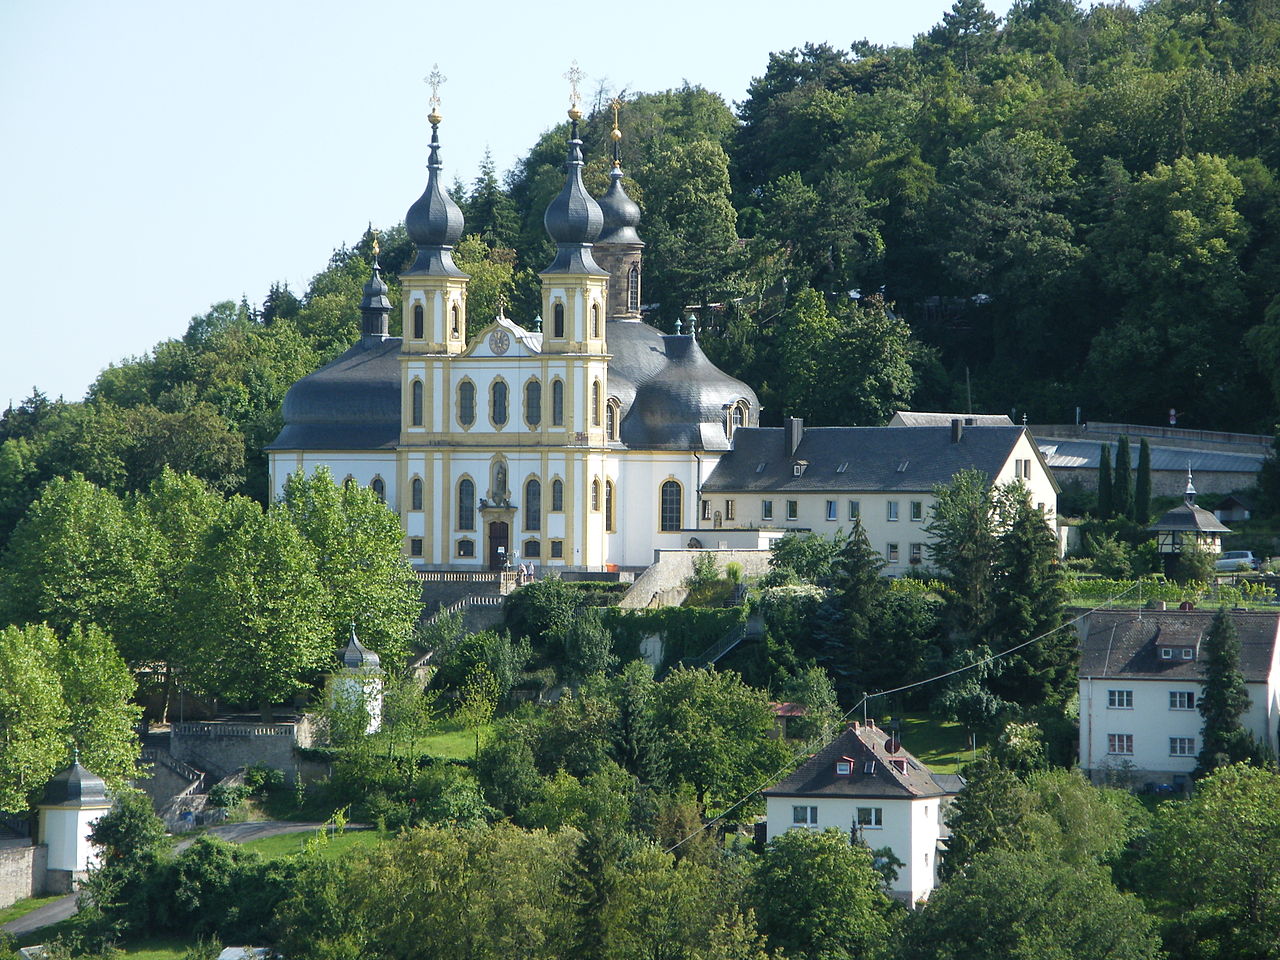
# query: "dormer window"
797 468
899 764
843 768
1166 653
1188 653
868 766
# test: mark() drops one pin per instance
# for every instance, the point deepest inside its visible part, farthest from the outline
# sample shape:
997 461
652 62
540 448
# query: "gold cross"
374 234
574 76
434 79
617 105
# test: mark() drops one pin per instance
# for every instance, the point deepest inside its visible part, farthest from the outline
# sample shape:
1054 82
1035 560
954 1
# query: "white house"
863 782
1141 674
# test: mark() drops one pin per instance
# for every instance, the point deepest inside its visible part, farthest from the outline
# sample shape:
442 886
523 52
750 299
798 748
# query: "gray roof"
434 222
356 656
1124 643
909 459
573 218
921 418
1189 517
864 743
1085 454
75 787
621 213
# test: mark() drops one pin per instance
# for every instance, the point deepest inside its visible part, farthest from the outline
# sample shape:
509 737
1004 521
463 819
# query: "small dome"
434 222
375 291
573 216
356 656
352 403
76 787
621 213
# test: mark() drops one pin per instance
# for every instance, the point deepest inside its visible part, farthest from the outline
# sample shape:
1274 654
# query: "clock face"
499 342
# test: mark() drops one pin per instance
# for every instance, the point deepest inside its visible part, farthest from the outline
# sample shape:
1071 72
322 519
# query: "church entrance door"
499 547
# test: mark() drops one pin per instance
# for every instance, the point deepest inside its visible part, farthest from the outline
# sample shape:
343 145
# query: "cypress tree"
1104 483
1142 486
1223 699
1122 482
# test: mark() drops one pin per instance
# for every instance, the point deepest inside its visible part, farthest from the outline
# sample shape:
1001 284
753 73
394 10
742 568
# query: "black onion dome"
374 305
574 219
75 787
356 656
621 213
434 222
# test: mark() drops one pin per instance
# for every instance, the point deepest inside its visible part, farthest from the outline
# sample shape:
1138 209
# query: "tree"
1106 496
964 546
1142 486
490 213
990 813
1223 699
967 30
808 556
816 896
129 828
33 716
1122 482
99 691
588 648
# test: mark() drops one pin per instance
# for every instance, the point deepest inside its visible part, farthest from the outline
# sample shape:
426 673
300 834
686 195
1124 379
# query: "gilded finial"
575 76
373 234
434 79
615 133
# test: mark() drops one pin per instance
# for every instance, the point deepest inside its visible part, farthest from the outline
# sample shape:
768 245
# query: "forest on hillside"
1064 208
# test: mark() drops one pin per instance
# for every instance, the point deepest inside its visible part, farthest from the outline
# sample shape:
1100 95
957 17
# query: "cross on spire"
434 79
575 76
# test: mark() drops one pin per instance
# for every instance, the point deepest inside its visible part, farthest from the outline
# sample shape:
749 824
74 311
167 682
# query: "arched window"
739 414
466 504
595 403
416 412
416 495
608 505
533 505
595 320
533 403
466 403
557 496
557 320
633 289
595 494
453 322
379 487
672 508
612 412
417 321
557 403
498 403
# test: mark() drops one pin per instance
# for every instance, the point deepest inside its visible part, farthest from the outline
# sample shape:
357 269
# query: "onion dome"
75 787
356 656
434 222
374 305
573 219
621 213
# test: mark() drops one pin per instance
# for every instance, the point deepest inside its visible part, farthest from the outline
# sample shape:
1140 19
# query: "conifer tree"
1122 482
1223 699
1142 486
1104 483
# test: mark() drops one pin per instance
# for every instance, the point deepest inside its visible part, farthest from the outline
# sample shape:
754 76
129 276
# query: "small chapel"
522 444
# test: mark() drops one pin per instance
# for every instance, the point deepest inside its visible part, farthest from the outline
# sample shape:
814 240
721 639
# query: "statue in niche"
500 497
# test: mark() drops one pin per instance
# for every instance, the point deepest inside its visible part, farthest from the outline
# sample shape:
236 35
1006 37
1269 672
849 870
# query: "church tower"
618 248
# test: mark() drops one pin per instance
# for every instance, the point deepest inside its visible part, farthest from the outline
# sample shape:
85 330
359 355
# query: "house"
864 783
824 479
1141 674
1187 524
1235 508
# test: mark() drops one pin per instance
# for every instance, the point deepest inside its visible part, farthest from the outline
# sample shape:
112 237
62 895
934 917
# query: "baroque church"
581 444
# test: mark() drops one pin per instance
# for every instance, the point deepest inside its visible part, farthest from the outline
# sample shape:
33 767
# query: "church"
518 445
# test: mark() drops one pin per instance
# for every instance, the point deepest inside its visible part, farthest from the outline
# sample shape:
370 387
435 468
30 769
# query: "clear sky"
159 156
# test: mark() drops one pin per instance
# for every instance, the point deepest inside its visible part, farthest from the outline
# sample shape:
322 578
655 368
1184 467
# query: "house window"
532 506
557 549
417 321
917 511
595 403
855 510
868 766
831 510
557 496
766 509
417 403
608 505
415 546
1182 746
797 469
379 488
730 509
557 320
498 401
532 548
706 510
793 509
557 403
612 409
804 816
1188 653
1182 700
870 818
917 552
595 320
466 548
1120 744
1119 699
891 552
466 403
1166 653
633 289
415 496
843 768
533 403
466 504
671 506
1022 469
893 510
454 326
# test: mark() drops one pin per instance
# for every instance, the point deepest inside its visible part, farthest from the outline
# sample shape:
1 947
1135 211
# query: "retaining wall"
22 870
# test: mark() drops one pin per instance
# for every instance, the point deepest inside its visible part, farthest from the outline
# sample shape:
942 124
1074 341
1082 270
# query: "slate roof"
1123 643
817 776
75 787
923 418
909 459
1188 516
1086 454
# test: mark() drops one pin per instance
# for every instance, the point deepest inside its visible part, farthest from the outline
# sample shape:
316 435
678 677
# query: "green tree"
1122 482
964 546
1106 496
1142 486
967 31
34 722
1224 699
99 692
807 555
490 213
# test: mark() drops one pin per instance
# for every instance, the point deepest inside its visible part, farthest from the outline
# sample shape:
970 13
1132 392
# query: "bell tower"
618 248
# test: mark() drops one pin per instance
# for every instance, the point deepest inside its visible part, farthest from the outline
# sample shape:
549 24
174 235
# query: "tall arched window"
612 412
633 289
595 319
466 403
557 496
379 488
453 322
557 320
595 403
417 321
595 494
608 505
416 495
533 403
466 504
533 505
672 508
498 403
557 403
416 412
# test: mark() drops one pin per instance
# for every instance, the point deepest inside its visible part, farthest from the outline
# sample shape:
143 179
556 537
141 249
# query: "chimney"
957 429
795 432
969 421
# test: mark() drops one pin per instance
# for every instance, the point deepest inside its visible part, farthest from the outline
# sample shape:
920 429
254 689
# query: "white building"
864 783
73 801
1141 674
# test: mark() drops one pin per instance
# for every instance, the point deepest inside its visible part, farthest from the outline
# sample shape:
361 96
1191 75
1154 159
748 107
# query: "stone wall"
220 749
22 870
662 585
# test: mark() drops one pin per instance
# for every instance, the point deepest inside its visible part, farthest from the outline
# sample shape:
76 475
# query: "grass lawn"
942 745
288 844
23 907
453 741
156 948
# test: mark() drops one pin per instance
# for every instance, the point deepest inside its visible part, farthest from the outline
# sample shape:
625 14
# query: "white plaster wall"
639 479
66 832
362 467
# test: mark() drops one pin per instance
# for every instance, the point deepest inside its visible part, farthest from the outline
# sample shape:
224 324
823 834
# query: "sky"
159 157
